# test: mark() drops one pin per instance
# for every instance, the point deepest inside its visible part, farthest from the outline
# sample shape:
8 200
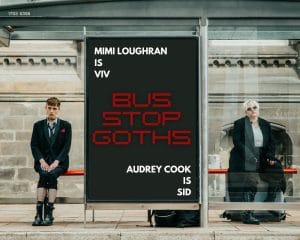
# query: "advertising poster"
142 136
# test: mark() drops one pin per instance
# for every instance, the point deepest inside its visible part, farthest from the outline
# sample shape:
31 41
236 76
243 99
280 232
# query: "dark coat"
242 156
57 149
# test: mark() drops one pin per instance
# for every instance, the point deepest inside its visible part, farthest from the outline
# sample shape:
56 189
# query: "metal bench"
32 200
80 172
225 170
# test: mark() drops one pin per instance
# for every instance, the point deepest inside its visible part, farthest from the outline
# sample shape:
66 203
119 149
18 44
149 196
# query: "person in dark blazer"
253 154
50 146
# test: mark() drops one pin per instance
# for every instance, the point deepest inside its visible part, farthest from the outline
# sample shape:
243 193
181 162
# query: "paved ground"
15 223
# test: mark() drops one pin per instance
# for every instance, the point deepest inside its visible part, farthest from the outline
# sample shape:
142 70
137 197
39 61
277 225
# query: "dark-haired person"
253 157
50 146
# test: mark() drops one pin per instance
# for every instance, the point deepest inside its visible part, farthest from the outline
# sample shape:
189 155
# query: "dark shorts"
49 179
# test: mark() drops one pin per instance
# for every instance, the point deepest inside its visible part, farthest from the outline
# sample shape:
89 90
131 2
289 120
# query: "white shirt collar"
52 122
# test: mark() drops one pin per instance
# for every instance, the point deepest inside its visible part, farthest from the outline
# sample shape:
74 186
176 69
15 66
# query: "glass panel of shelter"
268 72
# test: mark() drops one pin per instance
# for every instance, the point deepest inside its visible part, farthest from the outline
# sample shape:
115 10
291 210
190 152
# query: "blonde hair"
250 103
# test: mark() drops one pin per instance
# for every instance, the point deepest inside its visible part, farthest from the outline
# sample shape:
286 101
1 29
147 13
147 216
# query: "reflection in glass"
267 71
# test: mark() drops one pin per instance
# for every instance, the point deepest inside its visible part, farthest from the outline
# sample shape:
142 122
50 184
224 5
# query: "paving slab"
15 223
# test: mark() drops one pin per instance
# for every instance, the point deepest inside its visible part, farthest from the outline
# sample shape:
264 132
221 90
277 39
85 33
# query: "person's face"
252 111
52 112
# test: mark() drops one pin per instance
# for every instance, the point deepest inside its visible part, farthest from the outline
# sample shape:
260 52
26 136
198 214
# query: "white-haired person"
253 157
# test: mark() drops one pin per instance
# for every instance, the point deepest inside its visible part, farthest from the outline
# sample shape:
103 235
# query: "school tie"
51 130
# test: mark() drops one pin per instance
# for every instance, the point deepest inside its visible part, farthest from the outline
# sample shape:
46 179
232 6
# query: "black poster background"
106 165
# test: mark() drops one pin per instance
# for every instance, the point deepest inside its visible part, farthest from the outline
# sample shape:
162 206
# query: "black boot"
48 220
248 218
38 219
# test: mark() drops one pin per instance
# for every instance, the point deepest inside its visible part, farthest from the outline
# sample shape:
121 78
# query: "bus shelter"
161 83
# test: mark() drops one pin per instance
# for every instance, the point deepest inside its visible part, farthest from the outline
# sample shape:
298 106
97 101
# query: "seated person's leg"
274 176
273 189
235 186
52 185
41 193
250 182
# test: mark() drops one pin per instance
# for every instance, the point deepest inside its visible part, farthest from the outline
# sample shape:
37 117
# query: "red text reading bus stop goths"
134 117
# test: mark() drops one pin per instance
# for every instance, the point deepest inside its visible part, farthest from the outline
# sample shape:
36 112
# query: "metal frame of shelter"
215 19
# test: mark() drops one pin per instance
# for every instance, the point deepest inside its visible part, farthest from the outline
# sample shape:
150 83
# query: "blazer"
242 156
50 150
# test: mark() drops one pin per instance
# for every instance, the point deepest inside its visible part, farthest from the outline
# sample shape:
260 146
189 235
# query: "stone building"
30 72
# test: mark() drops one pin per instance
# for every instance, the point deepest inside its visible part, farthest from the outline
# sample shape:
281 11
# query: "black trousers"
274 176
246 182
47 179
239 183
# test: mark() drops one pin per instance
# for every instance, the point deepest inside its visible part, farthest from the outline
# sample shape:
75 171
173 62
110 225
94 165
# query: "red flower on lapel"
63 130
